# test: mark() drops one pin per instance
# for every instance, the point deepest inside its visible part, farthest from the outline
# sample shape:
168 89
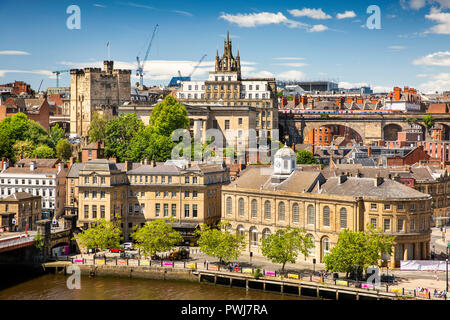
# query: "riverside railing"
4 243
266 273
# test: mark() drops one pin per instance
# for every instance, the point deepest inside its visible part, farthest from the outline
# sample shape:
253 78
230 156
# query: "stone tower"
228 63
92 89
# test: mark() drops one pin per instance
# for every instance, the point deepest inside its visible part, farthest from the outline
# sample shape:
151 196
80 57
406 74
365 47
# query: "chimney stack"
33 165
378 180
153 163
128 165
342 178
146 161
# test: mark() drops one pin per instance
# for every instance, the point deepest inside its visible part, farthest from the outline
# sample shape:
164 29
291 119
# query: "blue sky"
292 40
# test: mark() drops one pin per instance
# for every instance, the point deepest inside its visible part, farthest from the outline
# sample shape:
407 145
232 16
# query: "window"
400 206
373 222
143 208
102 180
94 212
157 193
325 246
240 230
102 194
326 216
174 210
227 124
241 207
102 212
412 207
186 179
157 209
194 194
310 214
422 224
240 121
86 194
254 209
94 180
136 208
400 225
253 234
163 179
295 213
387 206
86 211
186 211
265 233
86 180
343 218
94 194
174 194
166 194
186 194
229 206
387 224
373 206
166 210
194 211
130 208
267 210
281 215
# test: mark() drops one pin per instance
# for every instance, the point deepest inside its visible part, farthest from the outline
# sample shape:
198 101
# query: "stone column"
44 228
405 251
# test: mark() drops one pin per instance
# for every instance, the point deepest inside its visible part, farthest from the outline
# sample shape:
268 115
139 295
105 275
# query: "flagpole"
109 57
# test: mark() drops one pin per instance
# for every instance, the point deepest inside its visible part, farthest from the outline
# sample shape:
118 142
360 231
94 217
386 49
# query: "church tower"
228 63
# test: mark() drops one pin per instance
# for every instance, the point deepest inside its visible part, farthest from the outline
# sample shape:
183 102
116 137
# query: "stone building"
92 89
264 199
140 192
225 87
20 211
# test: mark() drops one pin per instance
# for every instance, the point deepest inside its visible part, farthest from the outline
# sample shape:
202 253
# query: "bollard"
161 262
184 264
403 291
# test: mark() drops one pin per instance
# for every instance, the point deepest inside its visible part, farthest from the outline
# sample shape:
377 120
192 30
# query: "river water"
53 287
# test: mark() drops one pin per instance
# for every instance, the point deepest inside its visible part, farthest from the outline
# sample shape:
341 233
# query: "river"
53 287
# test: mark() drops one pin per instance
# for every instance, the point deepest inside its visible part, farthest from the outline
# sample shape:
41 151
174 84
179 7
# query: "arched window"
266 232
229 206
343 218
310 213
325 247
326 216
240 230
267 210
241 207
254 209
253 234
281 211
295 214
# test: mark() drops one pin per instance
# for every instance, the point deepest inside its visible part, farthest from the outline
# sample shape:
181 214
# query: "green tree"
428 121
22 149
119 133
63 149
306 157
156 236
285 245
358 248
6 145
167 116
220 243
101 235
56 134
151 145
97 127
44 152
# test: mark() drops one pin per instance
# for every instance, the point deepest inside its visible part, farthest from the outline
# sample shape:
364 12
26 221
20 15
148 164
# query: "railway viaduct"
371 127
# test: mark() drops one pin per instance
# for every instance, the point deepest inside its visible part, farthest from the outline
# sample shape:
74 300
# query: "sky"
288 40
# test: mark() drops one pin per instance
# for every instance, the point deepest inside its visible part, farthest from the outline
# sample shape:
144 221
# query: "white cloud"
41 72
442 19
346 14
318 28
376 88
444 3
310 13
99 5
14 53
291 75
258 74
422 75
290 64
288 58
441 58
417 4
184 13
397 48
263 18
438 82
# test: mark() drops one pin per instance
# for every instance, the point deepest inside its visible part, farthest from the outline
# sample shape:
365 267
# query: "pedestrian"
204 264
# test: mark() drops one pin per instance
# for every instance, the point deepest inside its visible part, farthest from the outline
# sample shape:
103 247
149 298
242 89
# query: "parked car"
128 245
180 254
115 250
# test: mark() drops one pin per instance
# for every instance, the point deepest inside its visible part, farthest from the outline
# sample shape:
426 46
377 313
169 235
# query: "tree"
358 248
63 149
167 116
119 133
306 157
101 235
220 243
428 121
56 134
6 145
44 152
285 245
97 127
156 236
148 144
23 149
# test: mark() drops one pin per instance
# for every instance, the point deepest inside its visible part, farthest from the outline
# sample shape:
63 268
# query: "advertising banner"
247 270
100 261
316 278
213 267
367 285
168 264
269 273
144 262
77 260
191 265
422 265
342 282
293 276
397 290
121 261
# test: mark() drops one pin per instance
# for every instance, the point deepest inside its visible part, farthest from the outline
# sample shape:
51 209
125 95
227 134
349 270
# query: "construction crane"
39 89
140 68
198 64
58 72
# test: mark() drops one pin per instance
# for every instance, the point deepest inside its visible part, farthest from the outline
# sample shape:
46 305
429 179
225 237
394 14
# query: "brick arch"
390 131
347 130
